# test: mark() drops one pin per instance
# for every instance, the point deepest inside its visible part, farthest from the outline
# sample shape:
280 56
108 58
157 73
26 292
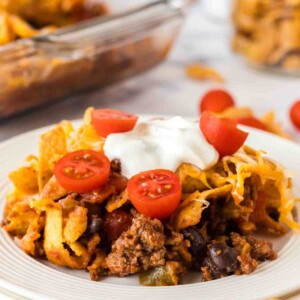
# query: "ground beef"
207 274
247 264
139 248
261 249
177 247
251 252
98 266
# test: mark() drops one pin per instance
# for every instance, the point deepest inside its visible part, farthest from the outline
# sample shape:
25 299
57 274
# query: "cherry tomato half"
295 114
82 171
107 121
222 133
216 101
155 193
252 122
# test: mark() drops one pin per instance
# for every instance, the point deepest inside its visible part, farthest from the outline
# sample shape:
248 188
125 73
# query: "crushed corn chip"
190 210
200 72
76 224
86 136
28 241
273 126
52 146
117 201
13 27
58 225
25 180
20 218
267 32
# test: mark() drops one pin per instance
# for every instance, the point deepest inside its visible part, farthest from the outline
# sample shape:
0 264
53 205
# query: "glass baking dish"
267 34
92 54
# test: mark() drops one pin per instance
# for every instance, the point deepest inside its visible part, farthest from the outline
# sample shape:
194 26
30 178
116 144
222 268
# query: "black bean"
95 224
115 166
213 216
223 257
198 244
275 214
231 226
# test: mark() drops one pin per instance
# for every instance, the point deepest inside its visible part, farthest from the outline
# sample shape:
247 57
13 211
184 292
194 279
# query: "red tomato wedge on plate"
107 121
216 101
82 171
223 134
295 114
155 193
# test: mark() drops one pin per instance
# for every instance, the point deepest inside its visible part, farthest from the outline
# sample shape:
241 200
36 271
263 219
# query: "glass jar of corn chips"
267 33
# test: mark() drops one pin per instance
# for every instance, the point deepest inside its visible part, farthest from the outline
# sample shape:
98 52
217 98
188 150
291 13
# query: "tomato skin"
107 121
216 101
223 134
116 223
252 122
143 190
295 114
82 171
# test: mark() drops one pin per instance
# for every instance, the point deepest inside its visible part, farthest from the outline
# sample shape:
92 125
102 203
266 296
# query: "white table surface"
166 89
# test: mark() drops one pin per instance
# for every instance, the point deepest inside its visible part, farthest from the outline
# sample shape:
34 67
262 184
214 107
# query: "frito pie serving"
159 198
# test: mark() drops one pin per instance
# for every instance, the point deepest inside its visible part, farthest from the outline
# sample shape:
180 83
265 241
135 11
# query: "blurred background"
58 57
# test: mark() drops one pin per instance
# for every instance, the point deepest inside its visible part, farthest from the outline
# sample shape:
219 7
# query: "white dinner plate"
34 279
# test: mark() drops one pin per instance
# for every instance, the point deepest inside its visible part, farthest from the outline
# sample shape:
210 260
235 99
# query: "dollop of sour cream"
160 144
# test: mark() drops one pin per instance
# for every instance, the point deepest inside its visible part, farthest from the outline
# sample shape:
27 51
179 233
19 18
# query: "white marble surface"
166 89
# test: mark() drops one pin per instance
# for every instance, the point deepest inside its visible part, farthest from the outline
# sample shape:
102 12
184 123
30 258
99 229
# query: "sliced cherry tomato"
155 193
216 101
295 114
107 121
82 171
222 133
252 122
